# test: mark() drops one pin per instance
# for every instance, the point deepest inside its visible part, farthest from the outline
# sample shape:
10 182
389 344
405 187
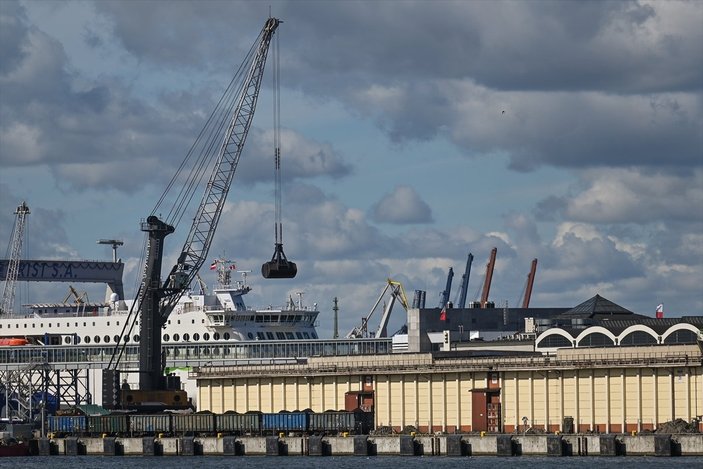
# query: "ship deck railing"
195 354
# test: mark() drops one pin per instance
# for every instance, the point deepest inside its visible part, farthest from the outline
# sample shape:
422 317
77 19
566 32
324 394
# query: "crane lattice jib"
13 266
197 244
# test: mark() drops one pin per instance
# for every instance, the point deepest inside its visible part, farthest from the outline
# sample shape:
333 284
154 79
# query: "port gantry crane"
8 295
156 298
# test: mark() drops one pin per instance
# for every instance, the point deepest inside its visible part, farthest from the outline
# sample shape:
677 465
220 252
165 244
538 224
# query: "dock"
456 445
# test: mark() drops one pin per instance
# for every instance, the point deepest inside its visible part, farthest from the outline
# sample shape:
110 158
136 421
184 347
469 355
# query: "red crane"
489 276
530 283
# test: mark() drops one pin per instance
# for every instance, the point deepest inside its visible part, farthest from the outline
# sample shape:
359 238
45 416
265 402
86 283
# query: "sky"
413 133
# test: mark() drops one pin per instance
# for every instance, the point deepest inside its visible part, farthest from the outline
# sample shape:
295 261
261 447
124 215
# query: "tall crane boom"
8 295
156 298
465 281
489 277
530 283
202 230
444 296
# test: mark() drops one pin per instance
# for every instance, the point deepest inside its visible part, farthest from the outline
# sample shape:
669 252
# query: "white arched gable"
638 327
554 331
593 330
681 327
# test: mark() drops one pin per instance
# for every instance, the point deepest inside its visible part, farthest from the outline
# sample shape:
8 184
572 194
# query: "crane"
444 296
465 281
397 292
529 284
489 276
8 295
221 141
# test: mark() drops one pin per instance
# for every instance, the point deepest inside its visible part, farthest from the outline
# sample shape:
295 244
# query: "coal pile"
678 426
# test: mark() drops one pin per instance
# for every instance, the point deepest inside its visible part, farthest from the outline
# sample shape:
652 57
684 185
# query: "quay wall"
397 445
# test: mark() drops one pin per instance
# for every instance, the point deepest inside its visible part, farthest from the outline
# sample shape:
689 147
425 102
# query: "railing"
416 366
95 356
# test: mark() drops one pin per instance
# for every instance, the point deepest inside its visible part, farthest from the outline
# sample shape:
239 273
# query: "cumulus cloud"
301 158
402 206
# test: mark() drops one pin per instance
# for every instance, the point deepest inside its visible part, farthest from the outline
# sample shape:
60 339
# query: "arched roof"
554 331
638 327
679 327
595 330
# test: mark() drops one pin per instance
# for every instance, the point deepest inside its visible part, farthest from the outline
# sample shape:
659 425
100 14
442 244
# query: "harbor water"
346 462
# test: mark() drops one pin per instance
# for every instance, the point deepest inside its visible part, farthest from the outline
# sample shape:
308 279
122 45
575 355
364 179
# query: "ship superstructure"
197 317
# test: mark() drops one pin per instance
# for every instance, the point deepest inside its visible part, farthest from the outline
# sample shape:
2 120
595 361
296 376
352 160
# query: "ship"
198 317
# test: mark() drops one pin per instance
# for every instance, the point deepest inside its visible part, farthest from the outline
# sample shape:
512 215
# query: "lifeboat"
12 341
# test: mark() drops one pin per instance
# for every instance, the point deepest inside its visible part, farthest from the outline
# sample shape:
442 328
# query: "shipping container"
285 422
115 424
149 424
193 423
238 423
64 424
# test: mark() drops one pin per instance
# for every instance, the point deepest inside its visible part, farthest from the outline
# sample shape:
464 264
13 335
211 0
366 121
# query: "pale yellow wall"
639 397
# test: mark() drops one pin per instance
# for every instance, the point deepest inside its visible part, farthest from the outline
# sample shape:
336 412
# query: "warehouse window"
682 336
638 338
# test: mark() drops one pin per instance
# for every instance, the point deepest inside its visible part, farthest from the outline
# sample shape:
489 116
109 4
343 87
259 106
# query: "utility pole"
335 334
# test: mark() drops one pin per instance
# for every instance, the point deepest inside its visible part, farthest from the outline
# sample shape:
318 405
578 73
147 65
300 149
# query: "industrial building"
596 367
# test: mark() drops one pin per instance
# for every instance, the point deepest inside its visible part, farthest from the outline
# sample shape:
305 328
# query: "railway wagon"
193 423
149 424
335 422
285 422
66 424
238 424
113 424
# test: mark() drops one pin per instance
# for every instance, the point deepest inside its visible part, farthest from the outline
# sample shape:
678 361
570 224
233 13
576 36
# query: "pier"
454 445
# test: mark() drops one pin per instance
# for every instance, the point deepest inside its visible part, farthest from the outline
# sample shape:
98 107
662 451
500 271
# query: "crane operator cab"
279 266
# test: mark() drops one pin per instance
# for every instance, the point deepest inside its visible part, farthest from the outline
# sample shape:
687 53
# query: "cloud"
301 158
403 206
630 195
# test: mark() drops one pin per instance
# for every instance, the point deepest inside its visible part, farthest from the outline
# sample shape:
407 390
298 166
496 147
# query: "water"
345 462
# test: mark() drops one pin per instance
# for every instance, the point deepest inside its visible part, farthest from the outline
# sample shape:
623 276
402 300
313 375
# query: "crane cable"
278 223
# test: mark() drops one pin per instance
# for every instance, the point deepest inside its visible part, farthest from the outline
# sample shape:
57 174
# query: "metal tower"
8 294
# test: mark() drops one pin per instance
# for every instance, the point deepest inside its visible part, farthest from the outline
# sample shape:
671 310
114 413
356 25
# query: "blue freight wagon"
285 422
66 424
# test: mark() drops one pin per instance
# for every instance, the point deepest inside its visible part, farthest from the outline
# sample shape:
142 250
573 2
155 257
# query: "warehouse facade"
612 389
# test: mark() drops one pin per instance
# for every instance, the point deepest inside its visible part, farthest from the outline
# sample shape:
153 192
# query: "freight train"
209 424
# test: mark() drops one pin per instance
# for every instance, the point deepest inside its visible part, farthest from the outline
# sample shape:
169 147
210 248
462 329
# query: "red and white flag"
213 266
443 314
660 311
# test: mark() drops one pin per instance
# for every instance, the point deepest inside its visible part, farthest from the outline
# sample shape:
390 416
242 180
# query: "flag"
443 314
232 267
660 311
213 266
